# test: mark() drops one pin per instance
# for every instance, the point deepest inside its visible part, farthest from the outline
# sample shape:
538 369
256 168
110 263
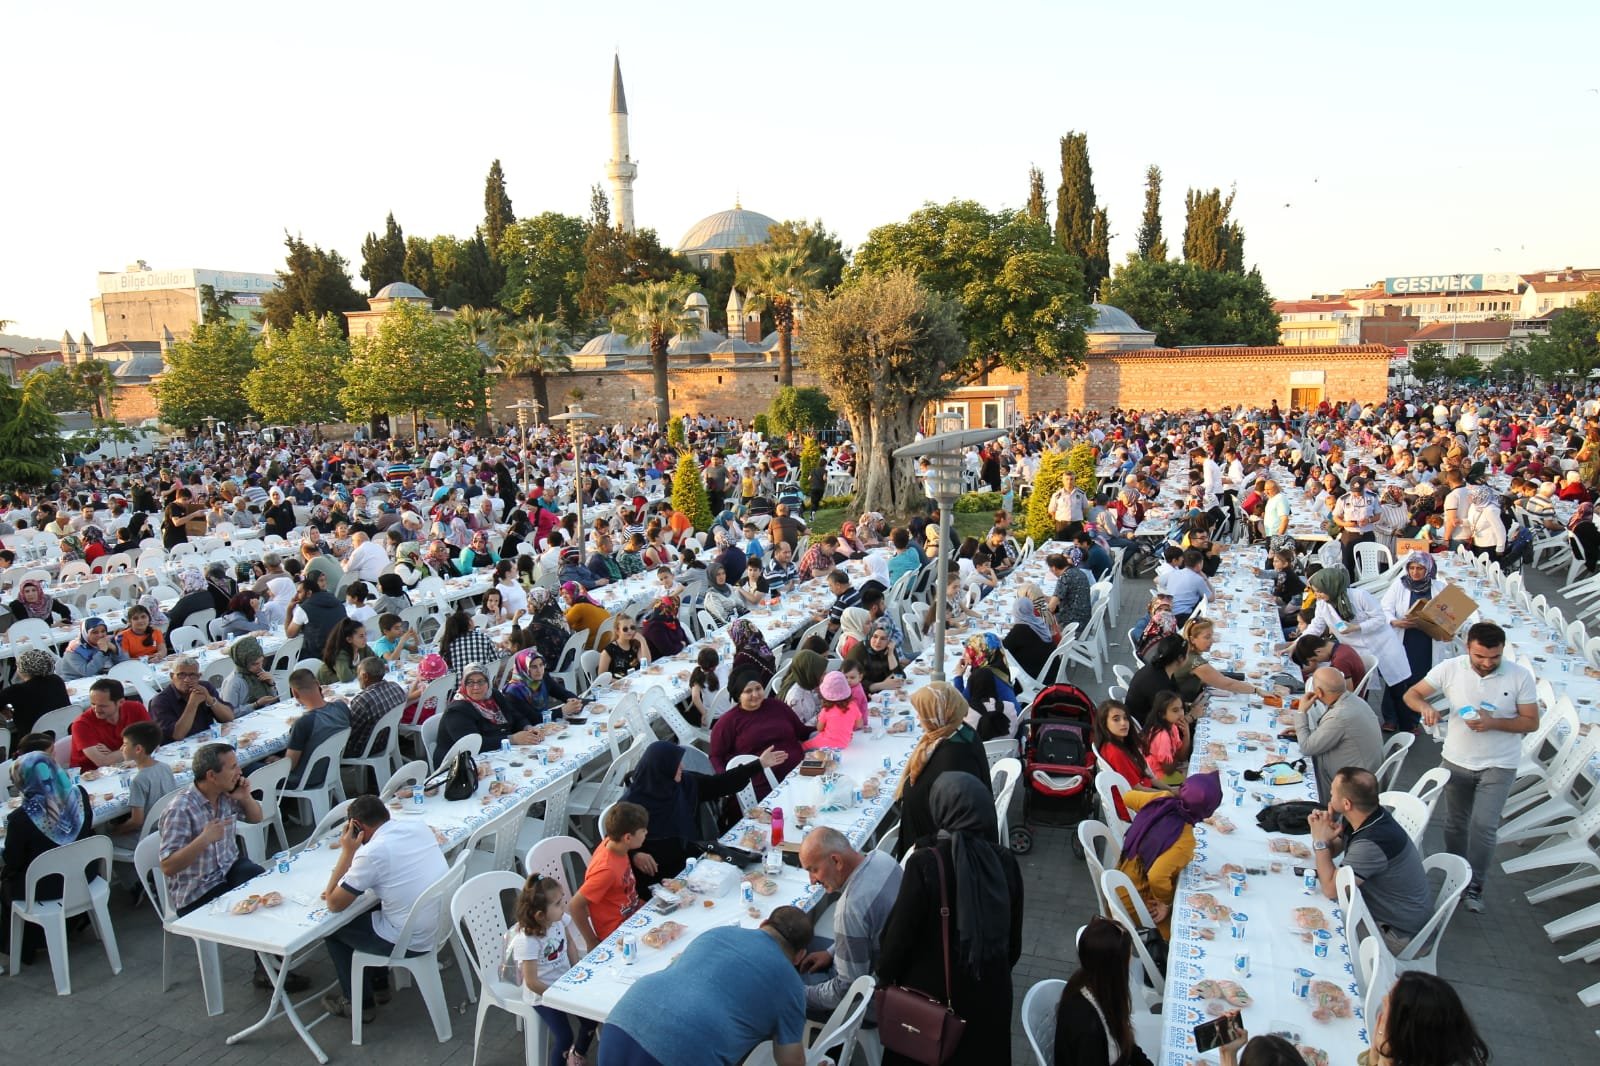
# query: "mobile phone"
1208 1036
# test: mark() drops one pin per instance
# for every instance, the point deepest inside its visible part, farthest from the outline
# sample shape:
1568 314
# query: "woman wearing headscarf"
1160 843
31 602
479 709
661 629
94 545
984 680
721 599
750 651
881 668
1581 526
250 685
436 559
545 696
1486 527
583 613
947 744
1418 583
805 674
92 652
194 597
542 628
1031 638
958 865
755 723
673 796
477 554
849 545
221 586
37 691
243 615
1356 618
52 813
877 564
854 623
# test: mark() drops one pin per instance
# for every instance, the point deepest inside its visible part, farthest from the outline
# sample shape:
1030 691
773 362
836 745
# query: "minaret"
69 350
621 169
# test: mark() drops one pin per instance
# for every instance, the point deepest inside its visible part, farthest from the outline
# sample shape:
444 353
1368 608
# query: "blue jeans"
561 1035
359 935
241 871
619 1048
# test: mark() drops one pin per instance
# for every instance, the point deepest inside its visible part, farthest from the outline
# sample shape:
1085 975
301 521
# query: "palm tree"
535 347
776 278
652 313
485 330
95 378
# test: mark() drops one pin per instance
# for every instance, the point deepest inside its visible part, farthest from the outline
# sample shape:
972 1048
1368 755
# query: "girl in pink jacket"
836 722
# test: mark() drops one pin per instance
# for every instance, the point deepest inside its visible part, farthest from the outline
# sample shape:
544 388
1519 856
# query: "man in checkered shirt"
378 696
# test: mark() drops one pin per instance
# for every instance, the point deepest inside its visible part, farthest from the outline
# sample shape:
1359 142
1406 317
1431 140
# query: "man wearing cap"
572 569
1355 513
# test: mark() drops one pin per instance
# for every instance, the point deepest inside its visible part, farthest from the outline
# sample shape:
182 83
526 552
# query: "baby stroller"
1058 763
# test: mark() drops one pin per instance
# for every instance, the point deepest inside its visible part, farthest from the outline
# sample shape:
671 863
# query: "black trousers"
1348 542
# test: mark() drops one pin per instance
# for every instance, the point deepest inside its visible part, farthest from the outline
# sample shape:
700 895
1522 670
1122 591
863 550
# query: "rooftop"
1463 331
725 231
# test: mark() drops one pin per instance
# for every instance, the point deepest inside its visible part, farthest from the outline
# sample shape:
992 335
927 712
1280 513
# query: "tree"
414 362
800 411
315 283
98 384
822 250
1075 196
1152 245
535 347
543 261
473 280
30 435
419 269
1210 239
484 330
205 376
57 389
1021 295
1464 368
383 259
652 313
1572 347
1425 361
776 280
677 436
497 213
214 305
1038 204
689 491
1184 304
885 345
810 459
298 372
612 257
1097 263
1041 524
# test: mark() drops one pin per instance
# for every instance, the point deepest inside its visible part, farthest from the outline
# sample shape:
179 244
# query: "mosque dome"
612 343
400 290
726 231
1108 319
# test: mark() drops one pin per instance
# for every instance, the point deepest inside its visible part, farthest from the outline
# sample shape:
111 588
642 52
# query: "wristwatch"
1319 845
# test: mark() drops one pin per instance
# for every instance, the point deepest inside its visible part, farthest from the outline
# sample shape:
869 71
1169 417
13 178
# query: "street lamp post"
576 414
944 454
522 407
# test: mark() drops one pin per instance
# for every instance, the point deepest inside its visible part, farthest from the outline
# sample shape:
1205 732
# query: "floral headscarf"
71 548
1585 513
36 662
1424 586
486 707
437 555
521 664
538 600
49 799
748 643
190 580
41 607
1074 555
93 534
980 648
576 593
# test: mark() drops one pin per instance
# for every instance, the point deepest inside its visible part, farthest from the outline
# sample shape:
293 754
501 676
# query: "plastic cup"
1238 925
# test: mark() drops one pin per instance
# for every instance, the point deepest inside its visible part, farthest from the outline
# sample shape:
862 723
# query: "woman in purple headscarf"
1160 842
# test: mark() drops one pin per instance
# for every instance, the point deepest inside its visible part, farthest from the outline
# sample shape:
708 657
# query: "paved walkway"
1523 1000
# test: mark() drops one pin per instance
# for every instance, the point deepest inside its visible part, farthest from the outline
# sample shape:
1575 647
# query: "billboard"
1451 283
221 280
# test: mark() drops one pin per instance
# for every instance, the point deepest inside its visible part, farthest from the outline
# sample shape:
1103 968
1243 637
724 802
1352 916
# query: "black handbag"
460 778
912 1023
1292 817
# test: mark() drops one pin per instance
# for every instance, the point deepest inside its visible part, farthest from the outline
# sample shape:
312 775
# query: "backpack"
1292 817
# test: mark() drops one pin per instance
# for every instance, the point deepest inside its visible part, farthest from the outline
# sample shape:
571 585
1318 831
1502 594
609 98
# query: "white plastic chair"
58 721
1101 852
1394 757
412 773
1119 891
492 846
423 966
1430 786
147 867
554 797
334 819
80 894
269 781
478 923
1003 778
185 638
1039 1019
325 756
836 1039
472 744
548 859
1561 802
1105 781
1409 811
382 752
747 794
1372 560
1377 976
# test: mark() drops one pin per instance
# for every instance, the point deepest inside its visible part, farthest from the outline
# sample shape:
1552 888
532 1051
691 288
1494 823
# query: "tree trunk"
541 396
785 355
658 364
882 484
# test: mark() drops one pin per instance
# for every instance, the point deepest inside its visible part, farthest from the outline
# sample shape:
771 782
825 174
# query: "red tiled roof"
1294 307
1463 331
1566 286
1275 351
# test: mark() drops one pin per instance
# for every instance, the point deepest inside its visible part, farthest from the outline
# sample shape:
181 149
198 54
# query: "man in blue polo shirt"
1394 885
730 990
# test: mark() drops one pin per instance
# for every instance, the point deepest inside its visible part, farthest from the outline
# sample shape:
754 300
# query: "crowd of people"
364 522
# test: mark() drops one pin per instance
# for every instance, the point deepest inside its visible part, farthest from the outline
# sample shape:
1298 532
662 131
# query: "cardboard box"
1406 545
1443 615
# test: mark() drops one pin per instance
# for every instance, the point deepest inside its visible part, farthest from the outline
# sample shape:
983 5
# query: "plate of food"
1329 1001
1220 996
1285 846
663 934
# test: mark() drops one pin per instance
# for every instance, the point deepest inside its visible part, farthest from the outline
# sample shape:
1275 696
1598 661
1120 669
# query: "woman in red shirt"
1118 747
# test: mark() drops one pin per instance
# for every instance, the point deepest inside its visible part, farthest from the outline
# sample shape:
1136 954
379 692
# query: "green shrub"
1040 526
1081 462
689 491
830 503
978 502
803 410
675 434
810 459
760 424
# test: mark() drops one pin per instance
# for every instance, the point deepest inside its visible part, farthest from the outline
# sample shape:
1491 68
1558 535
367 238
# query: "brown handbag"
912 1023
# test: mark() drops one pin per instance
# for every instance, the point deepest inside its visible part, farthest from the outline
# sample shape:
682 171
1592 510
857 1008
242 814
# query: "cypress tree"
1097 261
1152 245
1038 207
1210 240
1040 525
497 213
1075 197
383 259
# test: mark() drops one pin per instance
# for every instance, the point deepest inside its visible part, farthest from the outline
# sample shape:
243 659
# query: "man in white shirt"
396 860
367 559
1492 703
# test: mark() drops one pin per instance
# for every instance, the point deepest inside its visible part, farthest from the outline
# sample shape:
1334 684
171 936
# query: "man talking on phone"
396 861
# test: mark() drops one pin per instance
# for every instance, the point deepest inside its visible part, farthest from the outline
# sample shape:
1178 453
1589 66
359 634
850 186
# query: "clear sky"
1364 139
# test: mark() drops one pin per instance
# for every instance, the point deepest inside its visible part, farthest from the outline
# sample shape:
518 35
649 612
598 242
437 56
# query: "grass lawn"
966 525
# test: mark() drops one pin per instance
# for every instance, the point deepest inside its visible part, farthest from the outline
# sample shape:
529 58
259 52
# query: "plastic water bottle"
777 827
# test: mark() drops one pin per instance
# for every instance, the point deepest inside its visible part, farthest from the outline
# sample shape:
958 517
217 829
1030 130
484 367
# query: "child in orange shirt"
610 892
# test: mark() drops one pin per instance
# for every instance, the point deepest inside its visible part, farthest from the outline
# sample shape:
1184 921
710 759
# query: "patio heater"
573 420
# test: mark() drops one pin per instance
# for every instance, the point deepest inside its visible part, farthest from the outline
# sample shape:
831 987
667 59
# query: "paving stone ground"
1523 1000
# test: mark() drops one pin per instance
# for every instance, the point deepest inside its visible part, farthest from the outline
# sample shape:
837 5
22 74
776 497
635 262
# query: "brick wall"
628 395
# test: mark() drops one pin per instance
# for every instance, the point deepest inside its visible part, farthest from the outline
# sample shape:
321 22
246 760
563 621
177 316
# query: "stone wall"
140 316
628 395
